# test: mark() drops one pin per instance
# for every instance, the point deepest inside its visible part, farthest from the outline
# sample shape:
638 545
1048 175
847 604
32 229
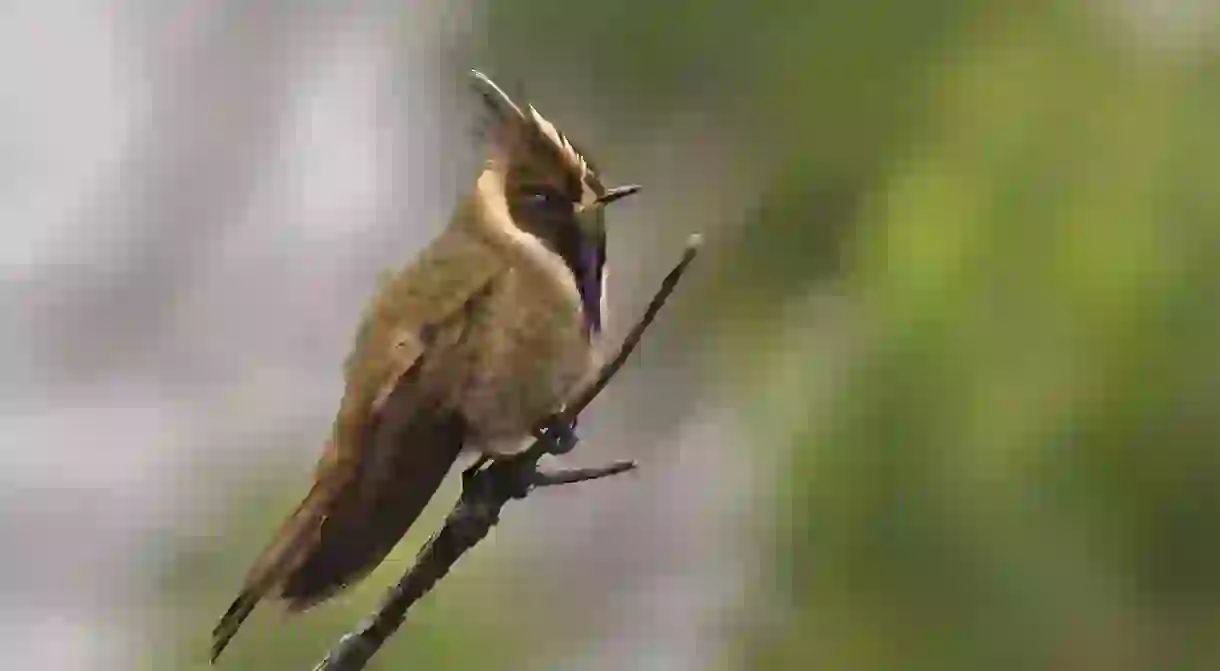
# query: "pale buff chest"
526 352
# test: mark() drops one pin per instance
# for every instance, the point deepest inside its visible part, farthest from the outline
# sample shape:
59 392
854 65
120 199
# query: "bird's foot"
560 435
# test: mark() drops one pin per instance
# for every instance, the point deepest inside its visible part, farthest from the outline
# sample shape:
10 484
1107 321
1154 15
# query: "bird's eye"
546 198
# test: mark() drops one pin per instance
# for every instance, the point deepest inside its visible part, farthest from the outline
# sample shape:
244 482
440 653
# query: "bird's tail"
291 545
350 521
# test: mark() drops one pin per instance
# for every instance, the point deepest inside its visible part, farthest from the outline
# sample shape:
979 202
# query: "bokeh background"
941 393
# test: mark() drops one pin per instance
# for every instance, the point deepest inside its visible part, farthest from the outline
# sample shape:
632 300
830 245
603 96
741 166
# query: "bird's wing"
399 326
369 486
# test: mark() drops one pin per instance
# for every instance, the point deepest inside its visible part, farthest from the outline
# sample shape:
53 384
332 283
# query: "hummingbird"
469 348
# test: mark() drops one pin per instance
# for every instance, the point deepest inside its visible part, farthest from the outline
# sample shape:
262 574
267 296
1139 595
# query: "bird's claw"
561 436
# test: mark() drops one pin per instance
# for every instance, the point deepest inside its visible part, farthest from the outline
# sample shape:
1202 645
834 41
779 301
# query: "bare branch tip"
574 475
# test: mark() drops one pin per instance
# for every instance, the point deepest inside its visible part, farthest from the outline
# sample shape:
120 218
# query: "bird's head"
551 188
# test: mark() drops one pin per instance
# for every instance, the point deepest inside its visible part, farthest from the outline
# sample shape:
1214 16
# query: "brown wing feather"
412 439
455 267
357 510
414 443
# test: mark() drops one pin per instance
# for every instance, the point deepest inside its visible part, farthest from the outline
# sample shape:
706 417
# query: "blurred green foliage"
1018 466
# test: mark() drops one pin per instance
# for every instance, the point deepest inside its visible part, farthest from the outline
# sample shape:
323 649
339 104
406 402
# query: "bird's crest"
527 135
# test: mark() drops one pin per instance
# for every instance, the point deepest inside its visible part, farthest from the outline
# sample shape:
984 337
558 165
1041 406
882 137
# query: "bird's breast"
528 349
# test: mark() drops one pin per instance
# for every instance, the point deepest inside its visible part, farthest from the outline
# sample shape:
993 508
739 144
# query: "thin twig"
573 475
484 493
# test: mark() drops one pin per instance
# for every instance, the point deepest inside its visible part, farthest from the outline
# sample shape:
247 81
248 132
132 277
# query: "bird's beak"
617 193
